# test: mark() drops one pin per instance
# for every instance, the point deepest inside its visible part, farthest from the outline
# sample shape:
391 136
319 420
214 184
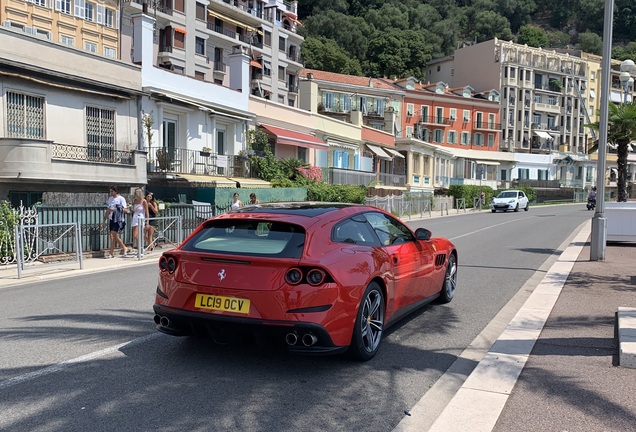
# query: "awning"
393 152
179 30
230 20
483 162
616 97
256 64
289 137
555 134
378 152
213 181
542 134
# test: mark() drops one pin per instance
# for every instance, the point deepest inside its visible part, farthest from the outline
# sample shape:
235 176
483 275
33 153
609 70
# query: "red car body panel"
407 273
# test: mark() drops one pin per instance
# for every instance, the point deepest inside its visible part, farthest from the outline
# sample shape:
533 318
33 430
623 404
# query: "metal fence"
405 205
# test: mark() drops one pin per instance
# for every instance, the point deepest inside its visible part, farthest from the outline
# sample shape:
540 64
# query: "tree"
621 125
558 39
590 42
533 36
325 54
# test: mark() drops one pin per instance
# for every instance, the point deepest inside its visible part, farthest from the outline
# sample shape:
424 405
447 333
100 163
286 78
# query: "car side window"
354 231
389 230
521 195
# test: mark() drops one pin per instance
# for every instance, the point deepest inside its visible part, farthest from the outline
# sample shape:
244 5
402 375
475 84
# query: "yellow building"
82 24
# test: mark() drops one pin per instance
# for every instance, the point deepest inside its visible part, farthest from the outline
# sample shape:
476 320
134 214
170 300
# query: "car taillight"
293 276
315 277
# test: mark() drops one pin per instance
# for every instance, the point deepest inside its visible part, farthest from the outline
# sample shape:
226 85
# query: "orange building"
450 117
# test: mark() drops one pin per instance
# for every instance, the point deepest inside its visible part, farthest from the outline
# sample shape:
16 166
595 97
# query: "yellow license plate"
222 303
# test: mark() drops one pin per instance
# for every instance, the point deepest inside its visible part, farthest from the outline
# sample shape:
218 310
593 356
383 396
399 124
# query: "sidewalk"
560 365
39 272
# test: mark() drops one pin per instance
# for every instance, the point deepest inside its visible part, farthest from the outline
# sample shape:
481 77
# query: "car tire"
527 207
494 211
517 207
367 331
447 293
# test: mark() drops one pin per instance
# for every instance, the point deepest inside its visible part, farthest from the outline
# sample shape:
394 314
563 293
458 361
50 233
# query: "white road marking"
489 227
68 363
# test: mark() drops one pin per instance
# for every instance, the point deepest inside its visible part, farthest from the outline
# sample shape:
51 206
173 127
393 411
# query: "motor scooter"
591 203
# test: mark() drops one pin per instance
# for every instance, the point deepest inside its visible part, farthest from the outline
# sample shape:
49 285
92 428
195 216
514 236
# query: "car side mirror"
422 234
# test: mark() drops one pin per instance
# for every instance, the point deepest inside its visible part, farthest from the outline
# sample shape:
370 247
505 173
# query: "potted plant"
205 151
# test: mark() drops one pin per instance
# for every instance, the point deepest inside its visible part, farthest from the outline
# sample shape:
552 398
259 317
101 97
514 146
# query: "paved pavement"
566 362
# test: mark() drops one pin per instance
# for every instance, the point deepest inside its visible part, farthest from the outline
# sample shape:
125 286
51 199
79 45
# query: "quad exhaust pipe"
308 339
162 321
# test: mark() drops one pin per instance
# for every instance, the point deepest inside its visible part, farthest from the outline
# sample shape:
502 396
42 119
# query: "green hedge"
469 192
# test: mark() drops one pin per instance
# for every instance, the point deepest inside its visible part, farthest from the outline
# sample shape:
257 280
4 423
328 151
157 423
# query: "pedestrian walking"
236 204
253 199
116 218
140 210
151 226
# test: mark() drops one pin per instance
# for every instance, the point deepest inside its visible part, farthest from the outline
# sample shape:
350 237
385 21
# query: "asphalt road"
81 354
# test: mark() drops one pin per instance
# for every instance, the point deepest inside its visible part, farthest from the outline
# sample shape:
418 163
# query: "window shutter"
100 14
345 160
80 8
58 5
116 19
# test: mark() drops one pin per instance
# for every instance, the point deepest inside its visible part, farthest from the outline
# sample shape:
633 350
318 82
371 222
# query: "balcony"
486 125
553 108
397 180
435 120
185 161
339 176
219 66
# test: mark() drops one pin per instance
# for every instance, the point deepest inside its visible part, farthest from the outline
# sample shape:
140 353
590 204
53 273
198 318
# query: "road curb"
627 336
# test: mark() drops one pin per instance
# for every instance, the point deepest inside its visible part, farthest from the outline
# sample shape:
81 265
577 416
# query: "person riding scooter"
591 199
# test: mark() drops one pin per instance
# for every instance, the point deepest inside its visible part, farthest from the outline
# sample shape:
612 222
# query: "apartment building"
69 120
459 118
200 62
92 26
544 102
372 106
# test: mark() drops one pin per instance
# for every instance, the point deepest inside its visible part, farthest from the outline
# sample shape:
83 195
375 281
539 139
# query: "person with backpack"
115 215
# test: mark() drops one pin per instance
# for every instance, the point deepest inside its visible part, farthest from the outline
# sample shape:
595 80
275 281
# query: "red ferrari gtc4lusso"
326 277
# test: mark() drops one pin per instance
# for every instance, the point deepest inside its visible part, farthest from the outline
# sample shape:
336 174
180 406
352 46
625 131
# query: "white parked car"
510 200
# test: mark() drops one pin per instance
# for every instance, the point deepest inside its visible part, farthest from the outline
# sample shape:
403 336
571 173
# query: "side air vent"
440 260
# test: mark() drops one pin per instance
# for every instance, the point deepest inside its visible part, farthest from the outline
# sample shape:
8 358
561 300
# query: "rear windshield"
249 237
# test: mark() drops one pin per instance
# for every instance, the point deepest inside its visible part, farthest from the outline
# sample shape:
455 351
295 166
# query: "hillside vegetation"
397 38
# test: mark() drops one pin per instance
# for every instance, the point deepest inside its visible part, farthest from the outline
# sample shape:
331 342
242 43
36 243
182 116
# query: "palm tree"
621 130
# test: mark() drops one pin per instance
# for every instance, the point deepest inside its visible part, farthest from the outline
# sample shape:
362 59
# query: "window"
67 40
90 46
302 154
109 18
388 230
25 116
178 5
491 140
465 140
179 39
199 75
268 38
479 139
201 12
267 68
199 45
466 116
409 131
491 121
453 114
593 75
524 174
410 108
63 6
281 73
249 237
439 115
438 136
110 52
355 230
452 137
282 44
100 133
281 99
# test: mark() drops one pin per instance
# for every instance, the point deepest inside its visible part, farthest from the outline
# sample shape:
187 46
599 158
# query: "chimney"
310 76
371 82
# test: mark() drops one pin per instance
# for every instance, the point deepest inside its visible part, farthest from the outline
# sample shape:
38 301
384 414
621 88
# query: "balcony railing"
435 120
219 66
185 161
346 176
392 179
486 125
93 154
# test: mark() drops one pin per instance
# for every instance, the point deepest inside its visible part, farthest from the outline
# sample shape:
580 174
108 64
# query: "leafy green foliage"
469 193
325 54
8 221
533 36
590 42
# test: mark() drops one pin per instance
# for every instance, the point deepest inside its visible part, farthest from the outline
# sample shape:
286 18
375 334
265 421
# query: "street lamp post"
626 79
599 223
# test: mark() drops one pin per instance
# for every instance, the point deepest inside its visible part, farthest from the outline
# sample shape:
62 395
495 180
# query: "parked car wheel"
527 207
517 207
367 332
450 281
